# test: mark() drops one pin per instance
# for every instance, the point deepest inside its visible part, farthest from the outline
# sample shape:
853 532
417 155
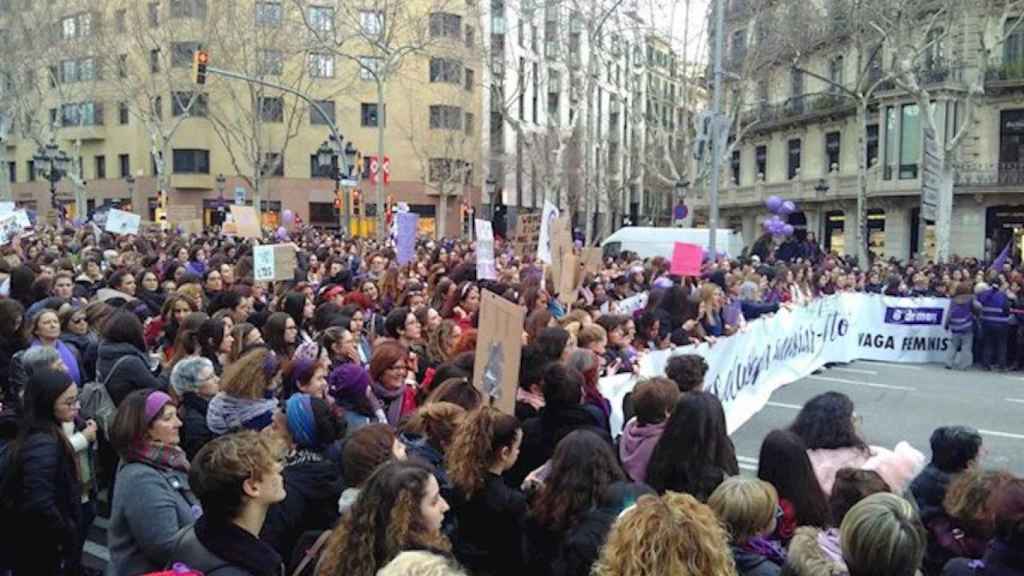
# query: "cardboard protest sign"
547 225
527 233
590 261
23 220
121 222
9 228
499 346
181 213
193 227
246 223
687 259
485 266
274 262
563 270
407 225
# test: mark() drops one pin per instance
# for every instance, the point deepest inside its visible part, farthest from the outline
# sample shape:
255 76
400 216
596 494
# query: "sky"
685 21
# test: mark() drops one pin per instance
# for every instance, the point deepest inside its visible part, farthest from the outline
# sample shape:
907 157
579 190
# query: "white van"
649 242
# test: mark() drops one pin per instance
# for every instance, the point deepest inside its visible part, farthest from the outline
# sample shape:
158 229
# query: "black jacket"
133 374
313 485
582 544
1001 559
224 550
754 310
490 526
194 431
8 348
542 434
929 490
47 506
750 564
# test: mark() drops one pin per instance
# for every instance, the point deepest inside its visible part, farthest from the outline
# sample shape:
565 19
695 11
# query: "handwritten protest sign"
23 220
9 228
527 234
686 259
245 223
6 207
274 262
563 260
121 222
485 266
405 243
498 349
547 226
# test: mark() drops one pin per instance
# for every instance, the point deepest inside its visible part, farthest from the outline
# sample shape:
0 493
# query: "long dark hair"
41 393
582 467
826 422
294 304
694 454
783 463
273 334
124 327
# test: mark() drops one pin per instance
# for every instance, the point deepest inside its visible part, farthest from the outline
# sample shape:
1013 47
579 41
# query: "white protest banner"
9 228
6 207
23 220
547 221
632 304
121 222
744 369
485 267
274 262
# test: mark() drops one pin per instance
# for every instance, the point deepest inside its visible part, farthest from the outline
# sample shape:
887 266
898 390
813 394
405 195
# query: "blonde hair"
882 536
591 334
671 534
745 505
421 563
251 375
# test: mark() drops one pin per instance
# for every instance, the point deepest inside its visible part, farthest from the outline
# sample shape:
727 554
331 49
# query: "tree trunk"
381 119
862 186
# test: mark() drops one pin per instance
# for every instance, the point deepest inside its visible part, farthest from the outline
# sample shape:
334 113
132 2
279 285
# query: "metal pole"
716 134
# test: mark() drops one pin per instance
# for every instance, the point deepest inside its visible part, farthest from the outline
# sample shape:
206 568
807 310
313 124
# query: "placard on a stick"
246 222
562 257
527 235
274 262
499 346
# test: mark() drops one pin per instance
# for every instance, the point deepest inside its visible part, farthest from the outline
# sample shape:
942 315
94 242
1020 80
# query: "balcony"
798 109
84 133
977 174
1005 75
190 181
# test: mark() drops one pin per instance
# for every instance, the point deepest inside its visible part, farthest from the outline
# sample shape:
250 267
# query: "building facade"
804 139
111 84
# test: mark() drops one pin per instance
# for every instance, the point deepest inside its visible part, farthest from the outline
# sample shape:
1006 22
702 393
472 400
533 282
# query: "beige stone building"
804 143
110 82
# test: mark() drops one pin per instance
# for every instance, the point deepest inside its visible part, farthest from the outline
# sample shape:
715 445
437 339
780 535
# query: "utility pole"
716 129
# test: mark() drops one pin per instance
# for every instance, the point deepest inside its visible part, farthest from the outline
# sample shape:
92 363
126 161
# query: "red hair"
465 343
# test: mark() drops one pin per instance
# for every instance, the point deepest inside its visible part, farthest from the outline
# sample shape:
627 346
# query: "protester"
365 451
349 387
194 383
122 362
882 536
653 401
749 508
784 464
390 380
246 399
1003 555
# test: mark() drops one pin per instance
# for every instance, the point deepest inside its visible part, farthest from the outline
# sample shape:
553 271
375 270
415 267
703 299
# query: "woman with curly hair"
488 513
441 342
828 426
400 508
581 469
672 534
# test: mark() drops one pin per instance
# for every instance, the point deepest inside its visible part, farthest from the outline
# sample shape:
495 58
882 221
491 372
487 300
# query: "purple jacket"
636 446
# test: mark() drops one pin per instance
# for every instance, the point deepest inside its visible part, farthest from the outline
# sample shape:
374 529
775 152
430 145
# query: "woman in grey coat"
152 498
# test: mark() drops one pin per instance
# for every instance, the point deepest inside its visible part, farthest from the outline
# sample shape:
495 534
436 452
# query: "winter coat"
313 485
542 434
814 552
8 348
490 525
47 508
150 506
753 310
897 467
929 489
582 543
194 431
1001 559
636 446
131 375
80 343
751 564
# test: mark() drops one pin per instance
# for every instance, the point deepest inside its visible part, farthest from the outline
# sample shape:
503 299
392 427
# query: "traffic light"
355 201
199 61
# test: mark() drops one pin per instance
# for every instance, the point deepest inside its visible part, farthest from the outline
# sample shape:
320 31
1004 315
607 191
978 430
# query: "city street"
906 402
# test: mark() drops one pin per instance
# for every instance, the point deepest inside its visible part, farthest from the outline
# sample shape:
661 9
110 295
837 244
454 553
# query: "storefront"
1011 138
1003 224
835 233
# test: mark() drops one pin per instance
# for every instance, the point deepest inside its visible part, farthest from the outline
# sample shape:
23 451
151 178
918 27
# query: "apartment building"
110 83
802 143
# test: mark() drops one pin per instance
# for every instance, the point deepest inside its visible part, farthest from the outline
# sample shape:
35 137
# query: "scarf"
770 549
159 455
67 357
237 547
229 413
391 400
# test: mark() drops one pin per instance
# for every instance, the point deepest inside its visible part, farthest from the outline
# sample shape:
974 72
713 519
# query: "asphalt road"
906 402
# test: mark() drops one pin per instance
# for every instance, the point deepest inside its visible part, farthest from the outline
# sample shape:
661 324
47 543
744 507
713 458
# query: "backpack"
96 401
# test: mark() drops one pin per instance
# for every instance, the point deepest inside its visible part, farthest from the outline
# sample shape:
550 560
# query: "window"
12 171
734 166
323 213
446 117
273 165
371 22
122 113
188 103
832 142
321 65
443 24
154 60
188 8
271 62
369 116
69 28
68 71
761 159
154 14
793 165
268 14
872 144
935 53
101 167
835 73
910 141
317 171
188 161
1013 46
31 171
124 164
890 142
446 169
470 79
122 65
120 17
470 118
321 18
272 108
314 116
182 54
445 70
82 114
369 67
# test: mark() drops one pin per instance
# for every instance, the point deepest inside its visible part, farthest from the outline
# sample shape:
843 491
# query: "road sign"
239 195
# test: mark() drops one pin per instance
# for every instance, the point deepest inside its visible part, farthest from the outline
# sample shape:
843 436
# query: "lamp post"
130 181
491 184
52 163
821 188
339 160
678 211
221 180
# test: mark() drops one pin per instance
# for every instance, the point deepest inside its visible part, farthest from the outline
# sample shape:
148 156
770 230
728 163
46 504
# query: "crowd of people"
328 425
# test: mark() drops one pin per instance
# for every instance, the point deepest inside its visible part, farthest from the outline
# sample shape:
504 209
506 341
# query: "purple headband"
155 402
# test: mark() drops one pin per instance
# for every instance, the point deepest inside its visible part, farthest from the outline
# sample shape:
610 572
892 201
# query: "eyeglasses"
401 368
78 320
70 402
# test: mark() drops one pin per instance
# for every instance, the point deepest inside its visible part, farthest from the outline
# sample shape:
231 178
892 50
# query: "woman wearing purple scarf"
46 332
749 509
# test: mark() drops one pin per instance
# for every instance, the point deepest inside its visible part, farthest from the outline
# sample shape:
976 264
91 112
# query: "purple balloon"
773 203
787 230
788 207
282 233
288 217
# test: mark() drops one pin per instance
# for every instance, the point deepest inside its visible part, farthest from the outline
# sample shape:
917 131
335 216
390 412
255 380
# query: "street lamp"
332 158
221 180
52 163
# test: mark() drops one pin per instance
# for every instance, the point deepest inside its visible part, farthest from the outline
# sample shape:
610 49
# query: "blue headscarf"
301 424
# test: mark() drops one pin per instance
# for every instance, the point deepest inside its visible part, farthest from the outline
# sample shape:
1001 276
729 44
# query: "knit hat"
304 361
348 382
